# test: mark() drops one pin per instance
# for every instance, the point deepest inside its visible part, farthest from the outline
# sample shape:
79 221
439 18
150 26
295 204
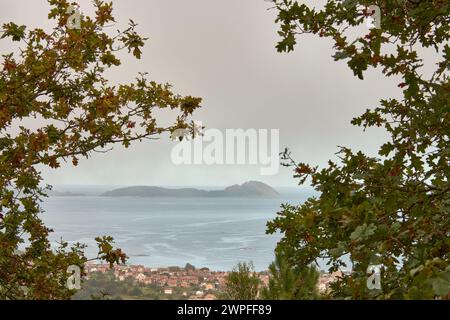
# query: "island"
248 189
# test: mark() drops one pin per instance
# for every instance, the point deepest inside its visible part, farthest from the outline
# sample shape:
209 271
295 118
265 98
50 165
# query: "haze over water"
207 232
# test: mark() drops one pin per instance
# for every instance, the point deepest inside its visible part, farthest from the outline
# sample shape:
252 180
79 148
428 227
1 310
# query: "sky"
224 52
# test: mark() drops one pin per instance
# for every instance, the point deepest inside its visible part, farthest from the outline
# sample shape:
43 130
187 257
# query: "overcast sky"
224 51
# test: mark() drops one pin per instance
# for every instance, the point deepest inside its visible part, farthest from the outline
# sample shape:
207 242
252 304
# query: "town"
167 283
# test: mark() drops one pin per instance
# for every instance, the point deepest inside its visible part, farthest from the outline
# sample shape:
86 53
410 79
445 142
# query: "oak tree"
393 209
57 79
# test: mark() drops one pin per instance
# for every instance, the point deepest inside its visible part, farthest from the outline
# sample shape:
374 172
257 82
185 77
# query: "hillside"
248 189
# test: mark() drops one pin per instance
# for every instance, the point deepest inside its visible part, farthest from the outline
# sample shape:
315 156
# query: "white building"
168 291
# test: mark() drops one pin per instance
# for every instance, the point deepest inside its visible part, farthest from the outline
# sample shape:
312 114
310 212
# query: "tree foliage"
291 282
242 283
57 80
189 267
392 209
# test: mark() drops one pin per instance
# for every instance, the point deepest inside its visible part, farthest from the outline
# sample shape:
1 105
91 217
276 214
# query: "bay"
207 232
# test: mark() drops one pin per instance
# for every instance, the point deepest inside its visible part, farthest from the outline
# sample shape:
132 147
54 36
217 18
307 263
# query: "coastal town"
187 282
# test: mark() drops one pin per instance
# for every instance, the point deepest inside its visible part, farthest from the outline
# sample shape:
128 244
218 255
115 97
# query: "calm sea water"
207 232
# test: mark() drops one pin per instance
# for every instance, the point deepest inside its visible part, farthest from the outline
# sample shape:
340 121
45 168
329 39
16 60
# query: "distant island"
248 189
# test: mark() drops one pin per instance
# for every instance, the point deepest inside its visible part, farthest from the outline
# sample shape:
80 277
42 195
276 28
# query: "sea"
216 233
